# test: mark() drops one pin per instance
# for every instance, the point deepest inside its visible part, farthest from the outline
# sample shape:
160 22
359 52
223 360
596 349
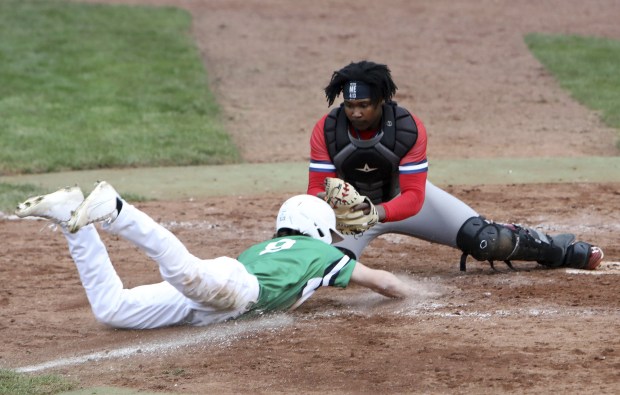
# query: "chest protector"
371 166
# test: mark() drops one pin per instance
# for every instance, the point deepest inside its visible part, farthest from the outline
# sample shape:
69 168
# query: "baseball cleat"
101 205
596 256
56 206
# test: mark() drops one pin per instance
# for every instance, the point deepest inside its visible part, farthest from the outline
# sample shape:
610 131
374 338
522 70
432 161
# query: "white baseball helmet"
309 215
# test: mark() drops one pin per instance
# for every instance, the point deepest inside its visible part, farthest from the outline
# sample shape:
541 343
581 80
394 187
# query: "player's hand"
354 213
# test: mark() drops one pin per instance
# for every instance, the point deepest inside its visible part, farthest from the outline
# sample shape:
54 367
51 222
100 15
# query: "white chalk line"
435 309
604 268
223 333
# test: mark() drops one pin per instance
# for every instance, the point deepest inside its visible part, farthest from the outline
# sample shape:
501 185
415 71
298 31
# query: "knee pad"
485 240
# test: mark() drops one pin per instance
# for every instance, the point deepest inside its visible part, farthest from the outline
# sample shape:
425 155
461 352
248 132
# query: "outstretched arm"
380 281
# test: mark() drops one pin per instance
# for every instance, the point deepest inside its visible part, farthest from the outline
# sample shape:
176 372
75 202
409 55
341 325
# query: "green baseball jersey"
289 269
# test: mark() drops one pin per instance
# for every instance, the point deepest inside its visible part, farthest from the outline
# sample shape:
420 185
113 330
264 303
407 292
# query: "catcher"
277 274
371 145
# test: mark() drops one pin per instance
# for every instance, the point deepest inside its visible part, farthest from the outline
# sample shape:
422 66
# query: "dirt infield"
463 68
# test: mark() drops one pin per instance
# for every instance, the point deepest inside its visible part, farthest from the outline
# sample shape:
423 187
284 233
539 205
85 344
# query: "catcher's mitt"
343 198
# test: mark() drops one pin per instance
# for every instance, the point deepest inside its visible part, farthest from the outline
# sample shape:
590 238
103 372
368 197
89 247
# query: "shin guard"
490 241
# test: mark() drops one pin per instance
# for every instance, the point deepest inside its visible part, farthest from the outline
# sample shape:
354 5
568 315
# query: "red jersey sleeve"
413 170
321 165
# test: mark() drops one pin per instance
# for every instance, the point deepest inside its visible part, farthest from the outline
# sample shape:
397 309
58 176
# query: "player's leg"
439 221
447 220
215 284
223 283
444 219
490 241
146 306
142 307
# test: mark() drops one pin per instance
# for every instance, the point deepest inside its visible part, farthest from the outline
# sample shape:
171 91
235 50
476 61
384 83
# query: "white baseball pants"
195 291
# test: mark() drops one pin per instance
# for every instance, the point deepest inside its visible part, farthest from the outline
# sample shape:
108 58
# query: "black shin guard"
578 255
490 241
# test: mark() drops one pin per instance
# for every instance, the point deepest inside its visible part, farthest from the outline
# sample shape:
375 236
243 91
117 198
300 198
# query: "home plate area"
604 268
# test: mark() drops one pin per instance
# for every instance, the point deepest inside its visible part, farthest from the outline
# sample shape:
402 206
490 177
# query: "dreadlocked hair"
377 76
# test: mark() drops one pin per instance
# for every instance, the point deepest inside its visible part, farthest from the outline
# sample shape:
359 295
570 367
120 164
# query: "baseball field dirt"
463 68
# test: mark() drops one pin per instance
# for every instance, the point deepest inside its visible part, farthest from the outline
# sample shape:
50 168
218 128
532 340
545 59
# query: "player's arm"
380 281
321 165
410 200
413 170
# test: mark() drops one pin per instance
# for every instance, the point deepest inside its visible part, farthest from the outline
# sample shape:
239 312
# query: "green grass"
587 67
11 195
12 383
85 86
